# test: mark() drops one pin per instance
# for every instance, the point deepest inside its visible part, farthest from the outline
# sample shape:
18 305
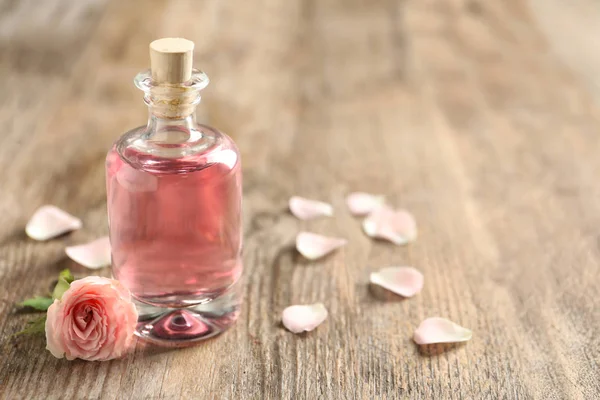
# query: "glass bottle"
174 206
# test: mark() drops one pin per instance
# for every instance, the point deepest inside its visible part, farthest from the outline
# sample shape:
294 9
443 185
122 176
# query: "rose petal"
361 203
397 226
50 221
93 255
53 342
313 246
308 209
440 330
304 318
405 281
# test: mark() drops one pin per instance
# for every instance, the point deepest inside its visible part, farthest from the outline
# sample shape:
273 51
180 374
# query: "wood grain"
478 116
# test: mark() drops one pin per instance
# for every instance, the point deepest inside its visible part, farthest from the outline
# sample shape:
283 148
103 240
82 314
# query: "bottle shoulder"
176 151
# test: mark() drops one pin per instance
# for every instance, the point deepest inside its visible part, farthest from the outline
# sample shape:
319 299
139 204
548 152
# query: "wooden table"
481 117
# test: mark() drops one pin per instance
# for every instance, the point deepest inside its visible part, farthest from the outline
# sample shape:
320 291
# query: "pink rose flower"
94 320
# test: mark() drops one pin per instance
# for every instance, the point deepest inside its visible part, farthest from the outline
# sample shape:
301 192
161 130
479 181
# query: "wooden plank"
467 113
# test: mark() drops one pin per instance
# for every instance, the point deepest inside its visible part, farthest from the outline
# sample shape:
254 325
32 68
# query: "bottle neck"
171 115
171 106
168 127
171 102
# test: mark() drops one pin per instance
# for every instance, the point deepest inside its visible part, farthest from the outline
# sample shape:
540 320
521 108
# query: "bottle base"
179 327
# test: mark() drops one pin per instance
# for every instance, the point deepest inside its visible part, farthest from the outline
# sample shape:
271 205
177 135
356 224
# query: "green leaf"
61 287
64 280
38 302
67 275
33 327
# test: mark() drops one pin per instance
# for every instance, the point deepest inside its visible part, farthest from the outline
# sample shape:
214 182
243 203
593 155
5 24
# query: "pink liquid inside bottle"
174 207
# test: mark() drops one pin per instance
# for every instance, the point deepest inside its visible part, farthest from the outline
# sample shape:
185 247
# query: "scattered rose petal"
440 330
50 221
304 318
308 209
93 255
313 246
361 203
397 226
405 281
136 181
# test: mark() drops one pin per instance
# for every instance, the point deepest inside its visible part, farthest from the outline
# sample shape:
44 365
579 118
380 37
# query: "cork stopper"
171 60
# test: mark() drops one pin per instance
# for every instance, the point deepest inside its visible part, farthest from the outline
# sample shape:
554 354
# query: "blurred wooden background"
479 116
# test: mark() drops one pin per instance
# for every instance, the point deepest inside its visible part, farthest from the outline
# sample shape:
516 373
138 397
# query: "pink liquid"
175 222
